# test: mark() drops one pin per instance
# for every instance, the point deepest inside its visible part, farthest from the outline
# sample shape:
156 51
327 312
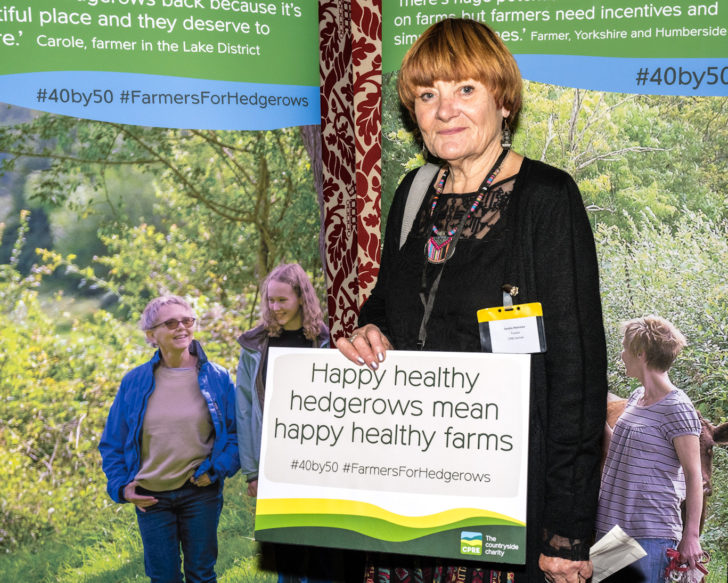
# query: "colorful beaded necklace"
437 248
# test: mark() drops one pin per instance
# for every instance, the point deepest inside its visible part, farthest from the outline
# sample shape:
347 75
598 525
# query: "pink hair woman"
168 444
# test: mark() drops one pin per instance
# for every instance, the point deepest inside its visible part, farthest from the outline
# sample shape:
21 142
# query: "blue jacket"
251 392
121 441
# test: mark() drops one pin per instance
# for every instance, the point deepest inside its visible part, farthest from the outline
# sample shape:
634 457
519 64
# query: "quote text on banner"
197 64
675 48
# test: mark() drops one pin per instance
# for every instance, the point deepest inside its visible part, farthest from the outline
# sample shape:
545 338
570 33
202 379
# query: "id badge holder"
512 329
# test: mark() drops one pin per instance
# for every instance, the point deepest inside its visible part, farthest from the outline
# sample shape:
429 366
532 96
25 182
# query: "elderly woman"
492 220
653 460
169 442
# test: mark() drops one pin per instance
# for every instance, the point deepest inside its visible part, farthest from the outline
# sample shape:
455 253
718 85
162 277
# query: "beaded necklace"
437 248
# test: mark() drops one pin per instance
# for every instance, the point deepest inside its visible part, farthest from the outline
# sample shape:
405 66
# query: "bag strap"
415 196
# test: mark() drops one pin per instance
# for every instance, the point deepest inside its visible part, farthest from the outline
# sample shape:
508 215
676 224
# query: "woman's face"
175 340
285 305
459 120
631 361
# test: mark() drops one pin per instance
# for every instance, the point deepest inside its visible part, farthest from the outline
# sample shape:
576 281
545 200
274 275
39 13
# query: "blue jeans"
648 569
188 517
652 567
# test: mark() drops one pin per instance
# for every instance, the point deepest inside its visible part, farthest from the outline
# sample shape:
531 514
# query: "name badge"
514 329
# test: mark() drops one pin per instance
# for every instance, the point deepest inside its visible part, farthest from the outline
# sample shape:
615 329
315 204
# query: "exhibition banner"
203 64
427 455
660 48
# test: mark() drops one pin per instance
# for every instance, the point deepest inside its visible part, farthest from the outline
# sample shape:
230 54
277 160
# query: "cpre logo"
471 543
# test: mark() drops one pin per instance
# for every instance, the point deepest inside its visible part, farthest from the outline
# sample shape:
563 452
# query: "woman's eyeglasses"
173 323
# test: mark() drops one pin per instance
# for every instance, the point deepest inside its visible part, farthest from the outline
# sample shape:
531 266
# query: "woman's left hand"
558 570
690 550
202 481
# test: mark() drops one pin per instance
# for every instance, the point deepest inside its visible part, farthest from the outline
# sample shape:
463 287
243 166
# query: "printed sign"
425 456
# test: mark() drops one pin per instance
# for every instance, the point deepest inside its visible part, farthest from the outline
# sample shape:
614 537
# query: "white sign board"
426 455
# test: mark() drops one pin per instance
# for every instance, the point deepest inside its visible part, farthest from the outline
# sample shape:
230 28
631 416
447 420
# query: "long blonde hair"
294 275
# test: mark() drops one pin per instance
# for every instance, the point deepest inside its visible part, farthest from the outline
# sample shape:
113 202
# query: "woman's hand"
253 488
139 500
202 481
558 570
690 550
366 345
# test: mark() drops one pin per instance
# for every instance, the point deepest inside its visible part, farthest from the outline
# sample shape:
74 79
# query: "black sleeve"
567 280
374 309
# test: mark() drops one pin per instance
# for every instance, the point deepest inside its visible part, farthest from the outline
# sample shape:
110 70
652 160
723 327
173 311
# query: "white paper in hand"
614 551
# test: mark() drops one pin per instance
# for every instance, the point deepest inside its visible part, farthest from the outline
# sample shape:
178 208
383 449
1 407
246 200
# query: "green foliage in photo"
652 171
236 203
628 153
136 212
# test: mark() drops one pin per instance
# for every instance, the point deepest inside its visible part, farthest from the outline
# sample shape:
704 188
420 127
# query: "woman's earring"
505 134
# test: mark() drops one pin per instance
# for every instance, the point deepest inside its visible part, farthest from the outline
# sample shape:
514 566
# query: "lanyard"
428 299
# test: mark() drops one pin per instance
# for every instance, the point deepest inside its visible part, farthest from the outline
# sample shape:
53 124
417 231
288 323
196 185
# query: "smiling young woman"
285 305
290 317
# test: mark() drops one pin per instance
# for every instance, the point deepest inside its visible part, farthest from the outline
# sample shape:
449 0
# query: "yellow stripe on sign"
273 506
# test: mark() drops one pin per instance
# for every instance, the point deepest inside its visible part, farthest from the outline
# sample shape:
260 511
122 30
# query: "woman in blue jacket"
169 442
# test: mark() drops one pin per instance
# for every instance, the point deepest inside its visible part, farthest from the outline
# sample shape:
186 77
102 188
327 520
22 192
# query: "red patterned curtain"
351 80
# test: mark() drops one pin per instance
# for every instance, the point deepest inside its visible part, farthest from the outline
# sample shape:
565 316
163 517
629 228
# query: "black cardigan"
552 259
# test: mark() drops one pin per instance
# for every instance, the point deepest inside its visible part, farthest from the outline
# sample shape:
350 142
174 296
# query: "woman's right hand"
366 345
139 500
253 488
